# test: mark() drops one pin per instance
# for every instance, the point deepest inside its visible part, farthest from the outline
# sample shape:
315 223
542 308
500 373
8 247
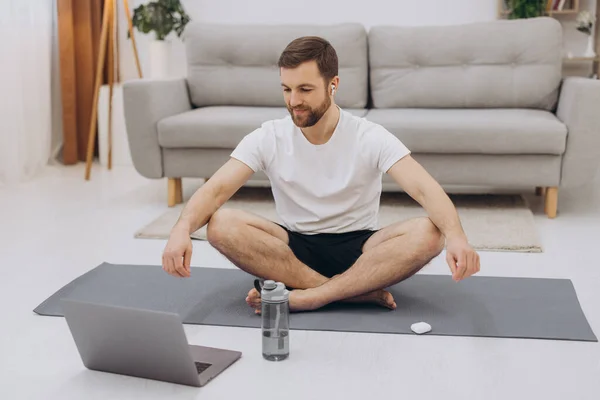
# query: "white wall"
369 13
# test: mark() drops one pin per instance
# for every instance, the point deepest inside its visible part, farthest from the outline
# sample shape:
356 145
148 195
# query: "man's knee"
431 237
222 224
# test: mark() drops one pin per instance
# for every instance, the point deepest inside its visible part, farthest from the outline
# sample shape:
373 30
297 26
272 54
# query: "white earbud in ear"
332 90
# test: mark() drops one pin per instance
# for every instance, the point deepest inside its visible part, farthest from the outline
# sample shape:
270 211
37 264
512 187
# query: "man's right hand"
207 199
178 253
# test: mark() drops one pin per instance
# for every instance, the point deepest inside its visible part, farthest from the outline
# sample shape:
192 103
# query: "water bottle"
275 312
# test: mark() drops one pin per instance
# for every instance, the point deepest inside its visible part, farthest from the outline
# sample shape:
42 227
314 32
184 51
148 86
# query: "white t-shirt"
330 188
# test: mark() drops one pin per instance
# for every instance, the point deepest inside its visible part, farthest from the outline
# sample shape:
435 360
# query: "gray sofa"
480 104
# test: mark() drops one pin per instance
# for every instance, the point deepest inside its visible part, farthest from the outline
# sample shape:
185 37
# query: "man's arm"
204 203
212 195
420 185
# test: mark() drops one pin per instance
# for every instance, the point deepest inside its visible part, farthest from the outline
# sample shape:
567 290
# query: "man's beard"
311 117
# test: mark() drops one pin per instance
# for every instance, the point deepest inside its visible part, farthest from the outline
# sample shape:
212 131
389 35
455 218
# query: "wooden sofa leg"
540 191
551 203
175 192
179 191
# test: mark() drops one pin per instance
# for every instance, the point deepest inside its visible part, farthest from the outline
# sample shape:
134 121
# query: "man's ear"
333 86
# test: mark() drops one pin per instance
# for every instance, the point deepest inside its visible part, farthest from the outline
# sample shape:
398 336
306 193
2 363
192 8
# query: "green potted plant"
162 17
520 9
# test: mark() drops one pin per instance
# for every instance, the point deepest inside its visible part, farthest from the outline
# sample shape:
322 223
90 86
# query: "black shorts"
328 253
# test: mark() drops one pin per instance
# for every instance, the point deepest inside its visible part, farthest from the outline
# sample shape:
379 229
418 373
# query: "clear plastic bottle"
275 313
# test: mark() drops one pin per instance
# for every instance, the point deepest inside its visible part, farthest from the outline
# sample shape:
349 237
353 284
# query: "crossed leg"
260 247
391 255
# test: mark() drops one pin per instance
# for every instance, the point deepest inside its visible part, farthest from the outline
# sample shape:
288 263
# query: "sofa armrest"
578 109
145 102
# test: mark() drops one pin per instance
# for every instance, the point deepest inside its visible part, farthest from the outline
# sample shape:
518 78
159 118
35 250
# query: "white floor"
60 226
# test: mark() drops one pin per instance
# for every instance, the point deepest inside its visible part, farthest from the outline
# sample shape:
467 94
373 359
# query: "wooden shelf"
581 59
505 13
562 12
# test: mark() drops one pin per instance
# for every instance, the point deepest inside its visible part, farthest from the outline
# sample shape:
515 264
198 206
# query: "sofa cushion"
237 64
479 131
496 64
219 126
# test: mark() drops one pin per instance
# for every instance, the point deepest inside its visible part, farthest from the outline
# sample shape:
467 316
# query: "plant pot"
589 52
160 54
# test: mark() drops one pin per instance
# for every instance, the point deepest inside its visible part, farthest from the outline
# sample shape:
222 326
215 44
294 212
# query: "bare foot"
380 297
253 300
300 300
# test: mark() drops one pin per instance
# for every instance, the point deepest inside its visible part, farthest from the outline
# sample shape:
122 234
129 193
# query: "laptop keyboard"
201 367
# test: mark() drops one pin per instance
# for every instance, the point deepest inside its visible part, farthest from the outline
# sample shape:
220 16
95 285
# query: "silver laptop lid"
135 342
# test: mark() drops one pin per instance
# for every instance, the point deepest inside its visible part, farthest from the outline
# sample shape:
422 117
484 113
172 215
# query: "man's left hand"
462 259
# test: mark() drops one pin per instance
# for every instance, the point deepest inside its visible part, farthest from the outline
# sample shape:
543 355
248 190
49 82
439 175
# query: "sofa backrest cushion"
505 63
237 64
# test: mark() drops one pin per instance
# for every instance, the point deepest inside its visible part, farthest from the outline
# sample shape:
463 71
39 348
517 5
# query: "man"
325 167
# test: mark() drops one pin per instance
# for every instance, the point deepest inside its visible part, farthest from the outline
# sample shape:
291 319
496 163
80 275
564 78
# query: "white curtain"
25 88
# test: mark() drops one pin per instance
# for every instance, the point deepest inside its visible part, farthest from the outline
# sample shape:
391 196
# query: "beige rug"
491 222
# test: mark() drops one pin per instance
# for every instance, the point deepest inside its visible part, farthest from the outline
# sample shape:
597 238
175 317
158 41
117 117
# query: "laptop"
141 343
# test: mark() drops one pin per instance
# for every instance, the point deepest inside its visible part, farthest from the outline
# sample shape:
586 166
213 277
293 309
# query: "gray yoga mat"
478 306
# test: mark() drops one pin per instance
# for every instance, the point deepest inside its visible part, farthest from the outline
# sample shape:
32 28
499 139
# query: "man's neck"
321 132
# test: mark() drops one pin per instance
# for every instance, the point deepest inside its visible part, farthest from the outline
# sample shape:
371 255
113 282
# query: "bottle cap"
270 285
274 292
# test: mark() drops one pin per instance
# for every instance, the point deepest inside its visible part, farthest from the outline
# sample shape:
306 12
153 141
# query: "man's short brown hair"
308 48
